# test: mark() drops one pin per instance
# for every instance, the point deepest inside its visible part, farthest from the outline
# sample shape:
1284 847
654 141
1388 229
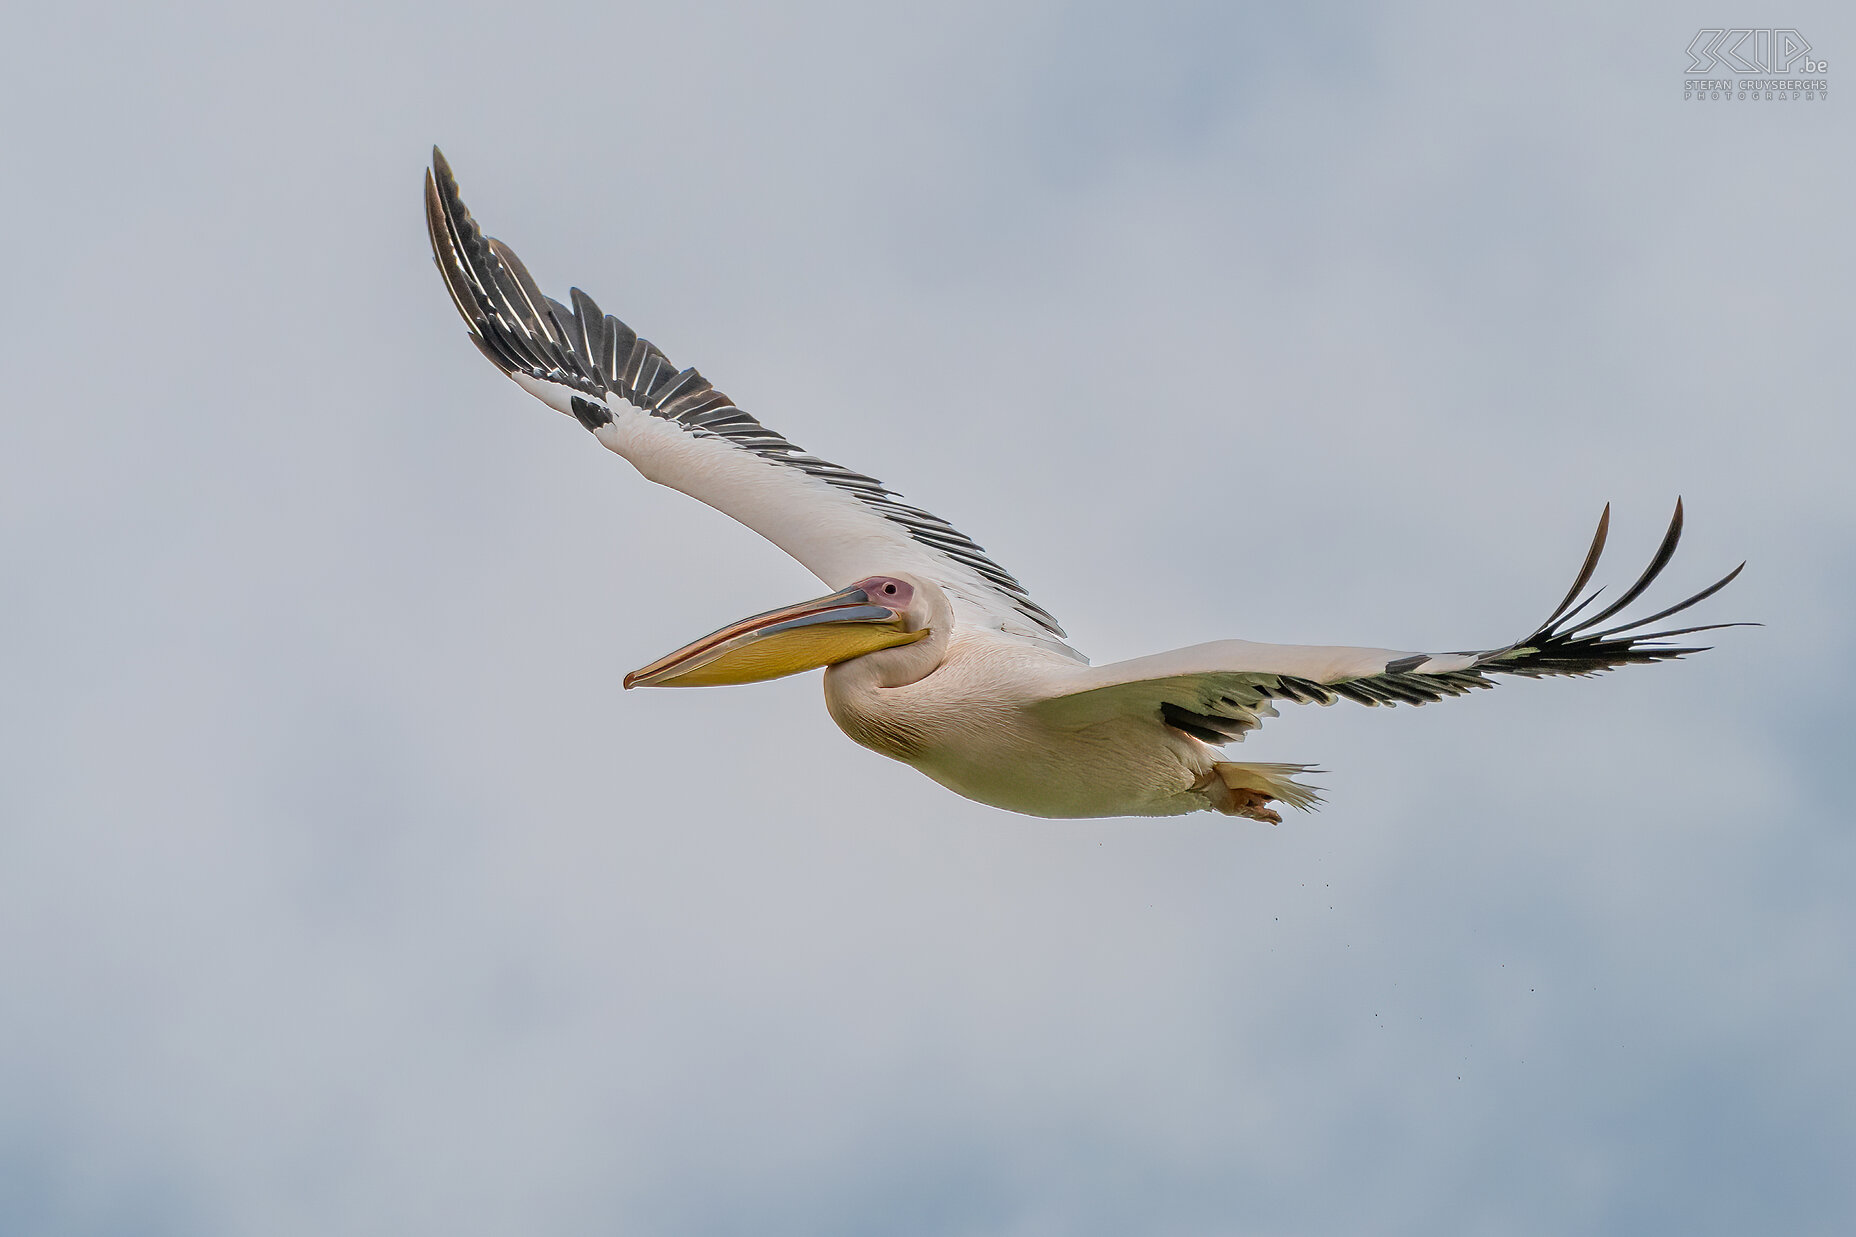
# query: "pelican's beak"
811 634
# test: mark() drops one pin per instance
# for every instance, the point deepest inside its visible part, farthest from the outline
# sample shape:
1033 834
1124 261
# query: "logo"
1777 59
1746 50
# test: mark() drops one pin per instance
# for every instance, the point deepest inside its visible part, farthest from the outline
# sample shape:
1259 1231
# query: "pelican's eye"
890 588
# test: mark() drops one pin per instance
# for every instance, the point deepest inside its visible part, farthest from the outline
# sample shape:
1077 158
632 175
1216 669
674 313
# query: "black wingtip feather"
1658 561
1585 572
1559 648
1680 606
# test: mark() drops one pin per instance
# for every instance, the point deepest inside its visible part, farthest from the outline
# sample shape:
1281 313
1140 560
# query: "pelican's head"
881 612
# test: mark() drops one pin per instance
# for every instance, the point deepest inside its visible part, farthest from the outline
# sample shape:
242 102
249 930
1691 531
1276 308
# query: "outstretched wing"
1219 691
680 431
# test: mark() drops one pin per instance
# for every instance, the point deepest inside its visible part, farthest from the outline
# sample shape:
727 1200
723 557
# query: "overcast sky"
343 891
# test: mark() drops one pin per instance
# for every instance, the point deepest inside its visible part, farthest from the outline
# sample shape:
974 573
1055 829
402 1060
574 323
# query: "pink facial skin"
886 591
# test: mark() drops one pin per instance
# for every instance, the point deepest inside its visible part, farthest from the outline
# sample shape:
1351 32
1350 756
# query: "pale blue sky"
343 891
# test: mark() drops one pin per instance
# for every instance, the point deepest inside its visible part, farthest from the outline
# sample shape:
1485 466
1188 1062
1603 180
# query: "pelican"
934 654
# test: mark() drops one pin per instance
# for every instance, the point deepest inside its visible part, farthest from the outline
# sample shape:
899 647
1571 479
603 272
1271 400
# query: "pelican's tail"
1250 787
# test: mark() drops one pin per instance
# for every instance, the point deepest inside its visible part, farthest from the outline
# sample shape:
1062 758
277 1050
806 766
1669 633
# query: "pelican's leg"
1254 804
1248 789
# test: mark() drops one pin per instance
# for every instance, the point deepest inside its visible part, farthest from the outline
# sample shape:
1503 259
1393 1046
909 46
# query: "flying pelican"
935 655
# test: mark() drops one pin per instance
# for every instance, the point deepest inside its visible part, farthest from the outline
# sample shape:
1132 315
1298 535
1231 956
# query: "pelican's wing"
1218 691
679 431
